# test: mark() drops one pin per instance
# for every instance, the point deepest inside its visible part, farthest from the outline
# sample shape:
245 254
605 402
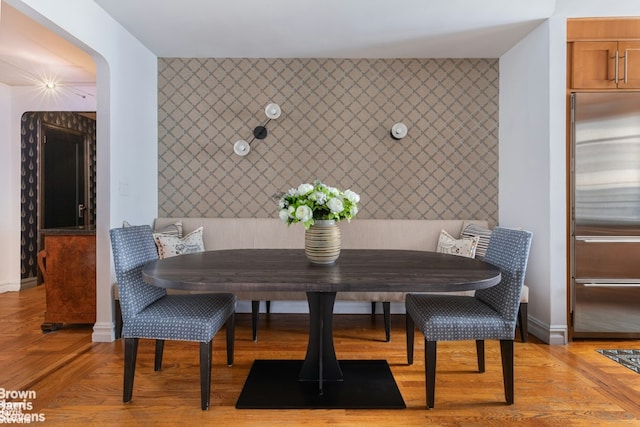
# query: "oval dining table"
320 380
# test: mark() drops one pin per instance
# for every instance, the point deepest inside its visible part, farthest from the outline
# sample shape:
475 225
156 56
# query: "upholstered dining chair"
489 314
148 312
523 310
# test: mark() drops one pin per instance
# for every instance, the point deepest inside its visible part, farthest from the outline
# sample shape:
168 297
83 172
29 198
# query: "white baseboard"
103 332
552 335
9 287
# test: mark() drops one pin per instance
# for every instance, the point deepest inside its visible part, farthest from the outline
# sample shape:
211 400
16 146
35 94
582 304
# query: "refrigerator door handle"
607 283
611 285
618 239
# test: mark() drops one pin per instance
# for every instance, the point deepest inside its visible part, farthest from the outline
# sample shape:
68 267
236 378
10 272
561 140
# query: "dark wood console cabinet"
68 265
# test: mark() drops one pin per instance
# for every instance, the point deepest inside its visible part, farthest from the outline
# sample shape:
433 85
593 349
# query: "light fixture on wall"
242 147
398 131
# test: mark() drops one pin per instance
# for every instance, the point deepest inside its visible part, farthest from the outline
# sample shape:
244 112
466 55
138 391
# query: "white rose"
304 213
335 205
304 189
333 190
291 211
284 215
351 196
353 210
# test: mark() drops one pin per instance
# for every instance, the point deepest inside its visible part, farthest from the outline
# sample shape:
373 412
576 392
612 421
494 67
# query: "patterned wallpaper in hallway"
335 123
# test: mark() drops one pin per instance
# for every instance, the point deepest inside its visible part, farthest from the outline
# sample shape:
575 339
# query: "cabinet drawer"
600 258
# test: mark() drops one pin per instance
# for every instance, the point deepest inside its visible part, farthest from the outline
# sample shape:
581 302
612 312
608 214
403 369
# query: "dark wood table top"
364 270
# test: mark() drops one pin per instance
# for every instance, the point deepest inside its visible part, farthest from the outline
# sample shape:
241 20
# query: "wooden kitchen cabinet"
68 265
603 53
606 65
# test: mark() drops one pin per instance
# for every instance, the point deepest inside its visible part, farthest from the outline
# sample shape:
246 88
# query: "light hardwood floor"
78 382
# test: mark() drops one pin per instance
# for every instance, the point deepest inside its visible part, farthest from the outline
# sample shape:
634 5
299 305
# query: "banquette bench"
271 233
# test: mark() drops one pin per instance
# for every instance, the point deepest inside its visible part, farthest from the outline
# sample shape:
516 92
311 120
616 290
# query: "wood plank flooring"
78 382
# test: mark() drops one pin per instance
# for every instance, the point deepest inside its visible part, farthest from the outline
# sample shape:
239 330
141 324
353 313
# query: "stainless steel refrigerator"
605 289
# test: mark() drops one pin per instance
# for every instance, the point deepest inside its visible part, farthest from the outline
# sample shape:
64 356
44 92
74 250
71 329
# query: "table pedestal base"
275 384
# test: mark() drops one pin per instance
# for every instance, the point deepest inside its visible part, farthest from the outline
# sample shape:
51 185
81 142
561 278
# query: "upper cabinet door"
629 53
594 65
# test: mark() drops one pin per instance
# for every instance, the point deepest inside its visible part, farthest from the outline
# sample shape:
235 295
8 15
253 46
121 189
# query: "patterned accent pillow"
169 245
484 235
466 246
174 229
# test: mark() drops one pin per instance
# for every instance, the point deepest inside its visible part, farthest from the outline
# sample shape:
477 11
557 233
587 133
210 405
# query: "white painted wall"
596 8
532 171
9 203
126 106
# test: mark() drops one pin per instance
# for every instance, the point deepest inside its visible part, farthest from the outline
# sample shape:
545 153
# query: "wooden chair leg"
430 371
373 307
267 304
410 329
506 351
386 310
523 321
205 373
158 359
230 330
255 311
480 355
118 331
130 353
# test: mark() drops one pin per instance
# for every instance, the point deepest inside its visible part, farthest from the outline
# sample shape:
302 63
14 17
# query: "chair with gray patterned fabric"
148 312
489 314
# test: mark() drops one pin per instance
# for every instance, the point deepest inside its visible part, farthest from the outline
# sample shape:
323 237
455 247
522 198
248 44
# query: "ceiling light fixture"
242 147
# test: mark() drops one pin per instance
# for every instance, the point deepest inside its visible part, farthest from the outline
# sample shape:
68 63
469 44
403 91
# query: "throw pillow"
169 245
483 234
174 229
466 246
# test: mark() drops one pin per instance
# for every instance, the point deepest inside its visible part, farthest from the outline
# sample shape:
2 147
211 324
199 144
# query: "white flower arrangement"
317 201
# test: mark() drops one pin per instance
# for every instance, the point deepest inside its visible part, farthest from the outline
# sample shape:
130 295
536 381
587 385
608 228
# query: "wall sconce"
242 147
398 131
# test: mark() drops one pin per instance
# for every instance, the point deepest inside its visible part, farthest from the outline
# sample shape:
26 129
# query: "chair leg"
130 353
255 311
523 321
230 330
373 307
386 310
159 350
118 331
506 351
410 329
267 304
205 373
430 371
480 355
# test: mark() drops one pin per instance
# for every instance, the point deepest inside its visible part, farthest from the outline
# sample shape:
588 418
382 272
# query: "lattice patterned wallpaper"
335 124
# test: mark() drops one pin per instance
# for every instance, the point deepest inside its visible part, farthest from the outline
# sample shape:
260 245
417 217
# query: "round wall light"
241 147
272 111
399 131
